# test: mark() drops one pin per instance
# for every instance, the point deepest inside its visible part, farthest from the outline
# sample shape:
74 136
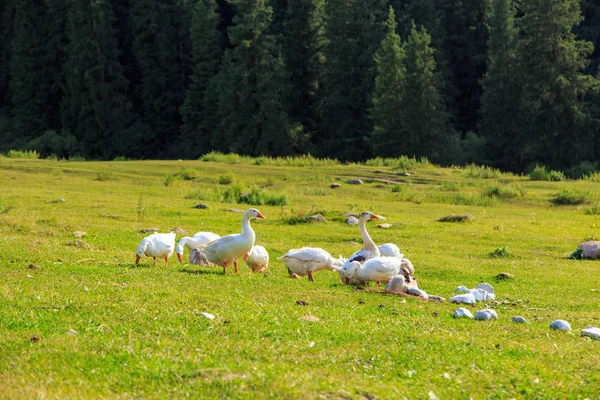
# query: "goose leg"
235 266
166 261
310 276
154 258
225 265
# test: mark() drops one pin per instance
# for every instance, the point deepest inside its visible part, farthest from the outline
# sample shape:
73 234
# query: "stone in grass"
310 318
484 315
519 320
560 325
148 230
317 218
462 313
60 200
335 185
79 234
466 298
457 218
355 182
201 206
385 226
179 230
437 298
352 220
33 266
207 315
503 276
591 332
589 250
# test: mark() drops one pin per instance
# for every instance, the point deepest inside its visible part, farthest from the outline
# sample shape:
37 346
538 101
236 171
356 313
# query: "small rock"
589 249
406 174
29 276
355 182
385 226
485 286
60 200
437 298
207 315
79 234
335 185
301 303
560 325
317 218
148 230
34 339
519 320
504 275
591 332
310 318
461 289
484 315
179 230
201 205
33 266
235 210
72 332
352 220
462 313
466 298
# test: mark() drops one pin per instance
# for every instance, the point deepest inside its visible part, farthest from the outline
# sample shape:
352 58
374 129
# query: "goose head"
368 215
141 249
347 271
253 213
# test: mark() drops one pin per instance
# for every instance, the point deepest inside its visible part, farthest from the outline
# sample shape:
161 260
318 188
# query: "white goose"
305 261
194 242
370 249
257 259
378 269
226 250
156 245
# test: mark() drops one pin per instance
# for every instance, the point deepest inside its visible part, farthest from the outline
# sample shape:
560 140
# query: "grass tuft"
499 252
540 173
569 196
25 154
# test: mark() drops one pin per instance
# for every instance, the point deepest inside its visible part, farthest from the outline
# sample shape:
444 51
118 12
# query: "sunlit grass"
89 323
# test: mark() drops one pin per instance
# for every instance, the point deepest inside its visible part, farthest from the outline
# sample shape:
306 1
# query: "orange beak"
137 259
260 215
245 256
179 257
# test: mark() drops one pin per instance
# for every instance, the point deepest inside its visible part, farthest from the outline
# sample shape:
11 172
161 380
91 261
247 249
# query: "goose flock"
371 263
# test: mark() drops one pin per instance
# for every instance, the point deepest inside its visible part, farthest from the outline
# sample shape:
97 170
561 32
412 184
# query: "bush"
499 252
593 210
259 197
503 191
225 179
485 172
584 168
169 180
188 174
27 154
539 173
104 175
569 197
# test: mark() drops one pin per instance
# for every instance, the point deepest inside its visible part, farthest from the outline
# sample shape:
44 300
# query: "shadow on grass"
204 271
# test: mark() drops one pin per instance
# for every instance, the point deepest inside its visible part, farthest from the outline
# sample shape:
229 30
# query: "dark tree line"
501 82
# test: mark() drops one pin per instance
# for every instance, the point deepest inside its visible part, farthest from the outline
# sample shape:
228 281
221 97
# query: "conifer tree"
205 61
252 109
502 100
303 43
95 112
387 114
425 120
550 63
353 29
7 13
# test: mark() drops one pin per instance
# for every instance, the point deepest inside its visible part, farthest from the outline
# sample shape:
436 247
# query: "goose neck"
368 243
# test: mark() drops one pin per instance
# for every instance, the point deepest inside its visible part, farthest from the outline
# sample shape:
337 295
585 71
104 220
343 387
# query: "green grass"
89 323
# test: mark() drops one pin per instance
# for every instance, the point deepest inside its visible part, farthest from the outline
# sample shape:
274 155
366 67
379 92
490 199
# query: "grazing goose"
156 245
193 242
305 261
257 259
226 250
378 269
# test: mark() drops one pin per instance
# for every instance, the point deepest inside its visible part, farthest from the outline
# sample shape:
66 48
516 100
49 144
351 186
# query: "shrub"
503 191
539 173
593 210
188 174
27 154
259 197
396 188
568 197
485 172
225 179
104 175
169 180
499 252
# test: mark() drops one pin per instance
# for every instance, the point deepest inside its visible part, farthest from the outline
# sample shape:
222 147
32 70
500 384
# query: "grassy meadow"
90 323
